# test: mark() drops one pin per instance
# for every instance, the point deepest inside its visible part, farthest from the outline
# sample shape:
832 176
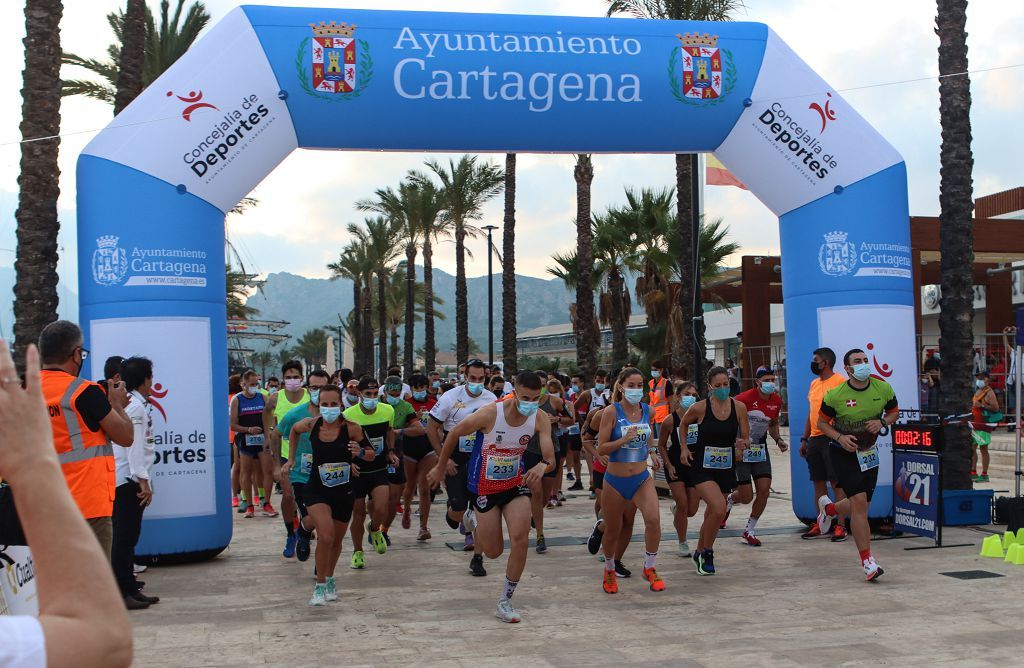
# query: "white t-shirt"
22 644
456 405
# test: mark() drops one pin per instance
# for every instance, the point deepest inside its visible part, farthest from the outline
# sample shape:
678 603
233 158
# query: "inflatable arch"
154 186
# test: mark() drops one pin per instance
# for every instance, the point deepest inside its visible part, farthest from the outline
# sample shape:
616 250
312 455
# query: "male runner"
595 397
496 384
763 408
277 407
858 410
405 420
395 371
814 444
573 454
350 397
273 384
434 387
246 411
418 456
496 478
375 419
454 407
300 461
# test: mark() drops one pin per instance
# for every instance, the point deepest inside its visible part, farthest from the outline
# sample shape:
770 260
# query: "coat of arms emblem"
109 262
340 65
837 256
700 72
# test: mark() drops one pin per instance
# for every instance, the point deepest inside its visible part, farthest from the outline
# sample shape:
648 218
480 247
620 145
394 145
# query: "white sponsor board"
183 475
799 139
886 333
18 582
217 130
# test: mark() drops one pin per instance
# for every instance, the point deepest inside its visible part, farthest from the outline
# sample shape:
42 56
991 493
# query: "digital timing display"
916 436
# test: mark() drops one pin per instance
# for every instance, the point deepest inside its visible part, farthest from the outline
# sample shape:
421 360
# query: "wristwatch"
803 439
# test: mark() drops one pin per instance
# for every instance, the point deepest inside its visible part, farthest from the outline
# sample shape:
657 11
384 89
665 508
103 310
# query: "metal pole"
490 294
698 310
1017 382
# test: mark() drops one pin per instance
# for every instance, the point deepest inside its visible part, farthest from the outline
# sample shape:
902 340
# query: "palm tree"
261 360
312 347
132 56
382 240
163 45
238 283
956 235
586 334
355 265
285 354
508 270
35 287
465 187
686 165
433 227
567 268
614 256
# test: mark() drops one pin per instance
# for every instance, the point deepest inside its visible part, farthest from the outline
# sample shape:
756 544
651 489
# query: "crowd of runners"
352 455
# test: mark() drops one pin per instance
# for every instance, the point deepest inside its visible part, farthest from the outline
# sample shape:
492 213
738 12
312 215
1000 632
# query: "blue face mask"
655 374
688 400
420 396
527 408
721 393
314 396
436 383
768 388
394 401
633 395
330 413
575 389
599 387
861 371
370 404
979 383
475 388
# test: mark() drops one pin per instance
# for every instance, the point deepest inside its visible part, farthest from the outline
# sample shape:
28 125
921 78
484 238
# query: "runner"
496 384
543 488
814 445
763 408
496 479
300 461
600 465
434 389
273 384
454 407
405 418
239 497
573 438
676 475
351 396
395 371
375 419
625 435
595 397
336 447
247 424
712 460
277 407
858 410
418 456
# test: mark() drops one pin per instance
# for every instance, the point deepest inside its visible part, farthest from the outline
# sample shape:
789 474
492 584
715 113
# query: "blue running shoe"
289 546
706 562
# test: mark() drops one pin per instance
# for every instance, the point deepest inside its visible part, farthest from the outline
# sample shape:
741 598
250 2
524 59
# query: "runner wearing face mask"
247 424
434 386
351 396
676 475
278 405
405 419
418 456
587 401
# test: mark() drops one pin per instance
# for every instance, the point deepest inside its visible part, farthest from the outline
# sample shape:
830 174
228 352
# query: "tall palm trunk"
682 347
461 295
382 324
429 345
956 236
508 270
367 326
35 287
357 326
410 307
586 333
619 318
133 52
393 356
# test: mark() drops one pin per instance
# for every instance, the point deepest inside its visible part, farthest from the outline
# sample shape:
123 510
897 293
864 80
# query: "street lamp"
490 293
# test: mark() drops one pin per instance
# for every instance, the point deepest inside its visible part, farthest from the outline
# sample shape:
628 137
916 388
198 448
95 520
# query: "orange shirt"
816 394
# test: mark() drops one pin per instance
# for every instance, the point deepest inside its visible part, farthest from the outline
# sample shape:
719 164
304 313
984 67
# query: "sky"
854 46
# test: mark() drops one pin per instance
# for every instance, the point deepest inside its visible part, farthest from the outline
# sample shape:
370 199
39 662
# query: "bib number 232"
868 459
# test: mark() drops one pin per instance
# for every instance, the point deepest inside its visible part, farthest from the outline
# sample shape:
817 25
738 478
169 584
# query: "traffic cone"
1020 535
991 547
1018 559
1012 553
1009 538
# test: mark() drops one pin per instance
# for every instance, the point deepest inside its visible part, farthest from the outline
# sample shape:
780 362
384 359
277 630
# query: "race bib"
378 445
643 435
424 420
306 463
755 453
335 473
254 440
691 434
501 467
574 430
868 459
466 443
717 457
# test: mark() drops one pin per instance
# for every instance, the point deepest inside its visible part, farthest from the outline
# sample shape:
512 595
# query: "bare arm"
269 424
743 442
235 427
605 444
483 419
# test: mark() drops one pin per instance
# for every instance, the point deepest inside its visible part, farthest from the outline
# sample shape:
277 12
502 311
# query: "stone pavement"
789 603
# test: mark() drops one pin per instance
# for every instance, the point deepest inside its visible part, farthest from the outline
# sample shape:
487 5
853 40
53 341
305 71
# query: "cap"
368 383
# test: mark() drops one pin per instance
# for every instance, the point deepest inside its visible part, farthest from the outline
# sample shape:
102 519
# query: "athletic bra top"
635 450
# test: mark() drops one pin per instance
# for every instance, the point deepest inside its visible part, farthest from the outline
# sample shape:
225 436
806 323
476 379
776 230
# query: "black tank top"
328 452
715 432
547 406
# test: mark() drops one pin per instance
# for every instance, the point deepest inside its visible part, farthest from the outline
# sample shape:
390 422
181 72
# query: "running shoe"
559 496
234 502
407 519
600 558
379 544
611 585
728 510
424 534
813 532
838 533
507 613
242 506
651 575
577 486
593 494
705 562
750 539
824 519
621 570
468 547
983 477
542 547
318 598
331 591
570 477
357 560
594 542
974 476
302 545
268 510
684 549
250 512
872 571
139 568
469 520
289 546
552 502
476 566
398 508
387 538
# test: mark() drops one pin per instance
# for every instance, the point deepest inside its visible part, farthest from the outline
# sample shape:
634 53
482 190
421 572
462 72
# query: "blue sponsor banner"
916 493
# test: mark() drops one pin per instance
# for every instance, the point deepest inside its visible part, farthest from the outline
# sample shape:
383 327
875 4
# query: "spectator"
932 379
112 368
1010 345
134 492
83 420
984 411
81 619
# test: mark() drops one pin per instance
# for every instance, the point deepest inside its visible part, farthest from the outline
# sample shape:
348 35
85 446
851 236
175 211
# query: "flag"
718 175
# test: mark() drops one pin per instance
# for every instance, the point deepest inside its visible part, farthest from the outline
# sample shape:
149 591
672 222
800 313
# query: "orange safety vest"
659 402
86 456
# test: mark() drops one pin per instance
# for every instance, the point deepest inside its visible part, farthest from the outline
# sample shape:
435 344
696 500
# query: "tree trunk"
682 347
586 334
357 327
133 53
35 287
620 349
367 327
382 325
410 308
461 296
429 345
394 345
508 271
956 237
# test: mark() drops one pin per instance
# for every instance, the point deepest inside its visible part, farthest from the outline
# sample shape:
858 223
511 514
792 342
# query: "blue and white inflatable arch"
154 186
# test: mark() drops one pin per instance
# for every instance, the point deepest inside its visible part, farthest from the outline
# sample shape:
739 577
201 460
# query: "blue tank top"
250 413
635 450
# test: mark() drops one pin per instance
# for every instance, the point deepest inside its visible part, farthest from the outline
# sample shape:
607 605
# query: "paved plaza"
789 603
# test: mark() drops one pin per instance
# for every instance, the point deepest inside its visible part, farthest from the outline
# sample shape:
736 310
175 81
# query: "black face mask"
815 368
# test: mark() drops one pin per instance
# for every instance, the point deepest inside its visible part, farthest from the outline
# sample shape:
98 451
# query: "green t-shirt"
403 410
284 427
851 408
376 426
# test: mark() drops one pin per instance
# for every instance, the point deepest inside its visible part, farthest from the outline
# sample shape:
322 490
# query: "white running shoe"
469 520
331 591
139 568
824 519
318 596
507 613
872 570
684 549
